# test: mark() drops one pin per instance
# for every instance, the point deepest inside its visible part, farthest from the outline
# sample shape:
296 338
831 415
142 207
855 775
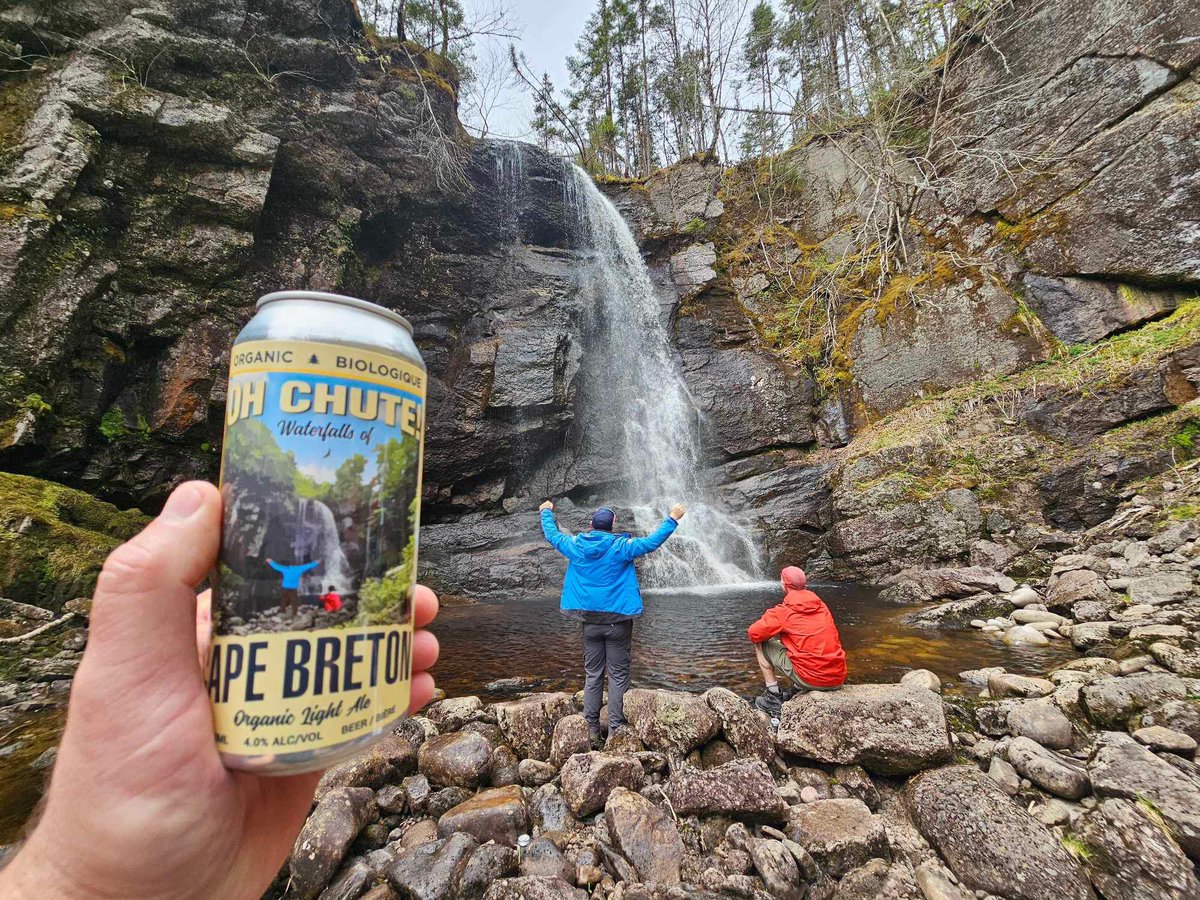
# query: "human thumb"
143 618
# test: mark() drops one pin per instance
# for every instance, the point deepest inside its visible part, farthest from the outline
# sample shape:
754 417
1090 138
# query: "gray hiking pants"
606 646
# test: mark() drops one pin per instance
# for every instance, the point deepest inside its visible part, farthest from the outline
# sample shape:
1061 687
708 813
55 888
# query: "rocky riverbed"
1076 784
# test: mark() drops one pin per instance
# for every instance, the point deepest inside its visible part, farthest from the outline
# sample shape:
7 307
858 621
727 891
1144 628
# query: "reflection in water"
22 741
696 640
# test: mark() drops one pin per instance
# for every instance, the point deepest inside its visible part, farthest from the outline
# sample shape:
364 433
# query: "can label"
312 600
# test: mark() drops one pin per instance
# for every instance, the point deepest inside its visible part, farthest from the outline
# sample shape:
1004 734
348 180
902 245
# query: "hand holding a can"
140 804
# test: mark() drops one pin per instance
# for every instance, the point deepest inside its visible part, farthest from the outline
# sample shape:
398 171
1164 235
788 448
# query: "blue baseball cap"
603 518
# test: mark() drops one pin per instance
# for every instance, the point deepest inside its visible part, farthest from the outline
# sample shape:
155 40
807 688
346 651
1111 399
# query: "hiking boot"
770 702
596 738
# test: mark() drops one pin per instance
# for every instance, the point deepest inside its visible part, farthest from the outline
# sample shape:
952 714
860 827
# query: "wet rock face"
988 842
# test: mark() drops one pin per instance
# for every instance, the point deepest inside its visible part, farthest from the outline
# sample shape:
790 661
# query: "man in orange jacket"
798 640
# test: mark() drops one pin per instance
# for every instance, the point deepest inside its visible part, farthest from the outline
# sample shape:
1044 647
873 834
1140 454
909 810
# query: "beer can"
311 656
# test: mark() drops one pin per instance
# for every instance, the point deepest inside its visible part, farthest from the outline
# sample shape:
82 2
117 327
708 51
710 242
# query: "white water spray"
644 389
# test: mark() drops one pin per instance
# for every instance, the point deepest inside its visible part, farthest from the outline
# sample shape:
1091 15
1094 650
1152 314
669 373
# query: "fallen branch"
29 635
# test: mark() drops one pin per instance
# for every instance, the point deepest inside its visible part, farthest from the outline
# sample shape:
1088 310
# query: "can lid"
336 298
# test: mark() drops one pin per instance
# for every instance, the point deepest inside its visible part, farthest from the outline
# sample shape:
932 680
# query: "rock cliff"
164 164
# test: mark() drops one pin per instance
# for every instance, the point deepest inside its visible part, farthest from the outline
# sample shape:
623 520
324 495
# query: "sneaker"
770 702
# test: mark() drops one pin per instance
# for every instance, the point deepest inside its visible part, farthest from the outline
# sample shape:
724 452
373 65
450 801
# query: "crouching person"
798 641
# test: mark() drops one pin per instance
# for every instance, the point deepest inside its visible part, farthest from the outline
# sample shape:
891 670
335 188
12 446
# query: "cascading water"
317 538
643 389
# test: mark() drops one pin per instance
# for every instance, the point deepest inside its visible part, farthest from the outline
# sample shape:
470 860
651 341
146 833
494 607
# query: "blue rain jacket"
600 573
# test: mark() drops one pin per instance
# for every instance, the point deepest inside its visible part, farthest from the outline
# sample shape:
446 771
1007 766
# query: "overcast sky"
549 29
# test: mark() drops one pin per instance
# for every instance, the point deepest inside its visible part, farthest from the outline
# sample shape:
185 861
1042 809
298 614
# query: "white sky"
549 29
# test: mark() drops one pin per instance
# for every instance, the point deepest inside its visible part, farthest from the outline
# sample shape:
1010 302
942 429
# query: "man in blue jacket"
601 589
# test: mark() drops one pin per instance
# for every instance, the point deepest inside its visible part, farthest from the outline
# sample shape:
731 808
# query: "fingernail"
183 502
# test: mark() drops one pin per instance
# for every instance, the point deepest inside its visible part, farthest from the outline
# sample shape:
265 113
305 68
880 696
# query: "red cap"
793 578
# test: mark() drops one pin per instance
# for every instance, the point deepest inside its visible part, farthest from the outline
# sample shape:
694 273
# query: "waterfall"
637 382
317 538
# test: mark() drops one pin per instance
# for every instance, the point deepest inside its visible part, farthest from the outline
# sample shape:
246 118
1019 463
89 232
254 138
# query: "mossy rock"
53 540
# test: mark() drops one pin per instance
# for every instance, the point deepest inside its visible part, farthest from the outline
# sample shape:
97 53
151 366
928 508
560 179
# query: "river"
694 640
689 640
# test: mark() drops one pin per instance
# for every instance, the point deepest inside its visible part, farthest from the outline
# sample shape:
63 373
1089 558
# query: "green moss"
53 539
112 425
1187 437
1077 848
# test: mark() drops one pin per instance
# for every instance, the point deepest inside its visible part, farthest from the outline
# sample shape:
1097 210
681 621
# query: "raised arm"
557 539
276 566
311 565
651 542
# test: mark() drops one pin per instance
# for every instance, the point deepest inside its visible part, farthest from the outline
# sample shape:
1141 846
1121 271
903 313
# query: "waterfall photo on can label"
312 602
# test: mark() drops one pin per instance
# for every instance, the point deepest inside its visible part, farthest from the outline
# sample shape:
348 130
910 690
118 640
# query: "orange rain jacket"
806 629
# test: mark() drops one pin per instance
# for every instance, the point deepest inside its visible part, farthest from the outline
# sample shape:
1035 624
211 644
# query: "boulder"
528 723
327 835
777 868
1088 635
506 768
1112 702
671 721
645 835
923 585
533 887
1166 740
1090 611
1129 857
351 882
1185 663
742 789
1121 767
387 761
550 810
879 880
840 834
1006 684
1029 616
485 865
887 729
990 843
543 858
1079 584
432 871
858 784
1041 721
1056 774
936 884
461 759
534 772
743 728
1159 588
453 713
587 779
1001 771
922 678
1025 634
571 735
496 814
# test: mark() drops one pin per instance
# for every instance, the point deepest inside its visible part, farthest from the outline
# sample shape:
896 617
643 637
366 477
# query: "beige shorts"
777 656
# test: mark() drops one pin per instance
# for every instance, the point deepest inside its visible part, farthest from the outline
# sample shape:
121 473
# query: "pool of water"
696 639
